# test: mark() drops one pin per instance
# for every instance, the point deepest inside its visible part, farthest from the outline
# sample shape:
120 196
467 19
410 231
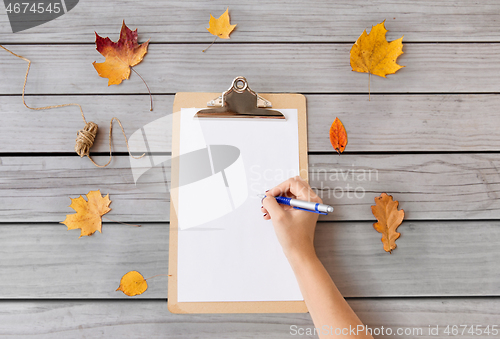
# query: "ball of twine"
86 136
85 139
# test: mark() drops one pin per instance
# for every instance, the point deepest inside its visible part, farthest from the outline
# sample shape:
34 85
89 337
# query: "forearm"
327 306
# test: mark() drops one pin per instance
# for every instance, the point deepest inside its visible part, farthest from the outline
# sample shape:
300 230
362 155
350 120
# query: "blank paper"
226 250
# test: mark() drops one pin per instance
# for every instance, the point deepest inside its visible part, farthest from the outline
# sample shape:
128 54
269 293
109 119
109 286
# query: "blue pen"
303 205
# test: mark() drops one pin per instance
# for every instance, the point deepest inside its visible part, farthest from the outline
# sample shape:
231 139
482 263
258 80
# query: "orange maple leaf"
133 283
389 219
88 213
120 55
338 136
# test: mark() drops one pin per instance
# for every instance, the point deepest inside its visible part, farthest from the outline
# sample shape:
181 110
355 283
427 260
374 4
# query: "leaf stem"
150 96
210 45
121 222
369 94
157 276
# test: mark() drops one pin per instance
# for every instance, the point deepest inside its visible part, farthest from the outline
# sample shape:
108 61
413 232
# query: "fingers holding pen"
296 186
265 215
274 210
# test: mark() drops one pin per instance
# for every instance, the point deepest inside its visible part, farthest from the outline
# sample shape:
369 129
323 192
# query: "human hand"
294 228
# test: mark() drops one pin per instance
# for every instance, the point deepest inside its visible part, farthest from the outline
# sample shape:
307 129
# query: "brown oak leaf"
389 219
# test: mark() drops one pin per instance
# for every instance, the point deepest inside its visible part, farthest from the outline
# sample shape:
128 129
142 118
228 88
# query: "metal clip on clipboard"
239 101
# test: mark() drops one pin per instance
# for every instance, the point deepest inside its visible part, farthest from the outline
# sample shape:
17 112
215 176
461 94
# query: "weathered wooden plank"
306 68
271 21
425 263
132 319
54 130
39 189
428 186
432 259
392 123
151 319
388 123
50 261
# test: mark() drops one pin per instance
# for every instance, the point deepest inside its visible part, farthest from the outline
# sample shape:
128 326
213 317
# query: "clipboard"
224 110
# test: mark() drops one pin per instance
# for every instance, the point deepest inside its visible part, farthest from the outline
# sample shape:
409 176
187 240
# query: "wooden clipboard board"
185 100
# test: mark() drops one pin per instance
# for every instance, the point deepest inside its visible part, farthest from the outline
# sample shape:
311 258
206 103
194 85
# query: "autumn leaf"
389 219
373 54
220 27
88 213
338 136
133 283
120 57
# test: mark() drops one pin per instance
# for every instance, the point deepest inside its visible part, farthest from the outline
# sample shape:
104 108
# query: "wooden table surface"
430 134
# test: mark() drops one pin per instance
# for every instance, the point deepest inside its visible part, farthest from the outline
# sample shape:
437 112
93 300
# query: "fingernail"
264 214
261 206
267 191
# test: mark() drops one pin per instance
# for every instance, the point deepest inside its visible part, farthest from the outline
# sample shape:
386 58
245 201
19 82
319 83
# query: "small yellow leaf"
88 213
133 283
221 27
371 53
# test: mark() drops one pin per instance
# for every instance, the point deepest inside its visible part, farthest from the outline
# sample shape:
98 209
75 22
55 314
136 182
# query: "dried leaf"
389 219
372 54
221 27
88 213
338 136
133 283
120 55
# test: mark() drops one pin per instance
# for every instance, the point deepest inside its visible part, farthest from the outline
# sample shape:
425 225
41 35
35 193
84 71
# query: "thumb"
273 208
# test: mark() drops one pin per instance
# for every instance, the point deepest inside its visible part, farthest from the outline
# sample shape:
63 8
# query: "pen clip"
303 209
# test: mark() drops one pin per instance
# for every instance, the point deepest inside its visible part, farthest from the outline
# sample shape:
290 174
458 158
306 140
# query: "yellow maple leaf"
372 54
88 213
221 27
133 283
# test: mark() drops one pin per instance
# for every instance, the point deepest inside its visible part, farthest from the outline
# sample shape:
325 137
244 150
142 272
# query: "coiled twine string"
85 137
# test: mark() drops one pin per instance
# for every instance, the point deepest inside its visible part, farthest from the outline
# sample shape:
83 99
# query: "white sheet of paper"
231 253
